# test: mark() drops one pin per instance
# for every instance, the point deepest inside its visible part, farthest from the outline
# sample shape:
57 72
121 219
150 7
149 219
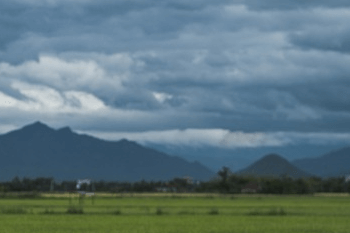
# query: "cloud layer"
177 66
221 138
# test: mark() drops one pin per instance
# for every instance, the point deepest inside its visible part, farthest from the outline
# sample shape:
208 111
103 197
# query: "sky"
225 74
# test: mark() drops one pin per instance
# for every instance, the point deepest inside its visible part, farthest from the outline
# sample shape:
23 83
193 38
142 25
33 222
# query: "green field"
177 213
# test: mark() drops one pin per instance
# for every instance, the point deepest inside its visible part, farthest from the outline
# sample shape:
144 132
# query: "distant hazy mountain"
273 165
239 158
38 150
335 163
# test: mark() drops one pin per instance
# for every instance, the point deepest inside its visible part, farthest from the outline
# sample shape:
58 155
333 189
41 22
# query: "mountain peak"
38 123
37 126
273 165
36 129
124 140
273 157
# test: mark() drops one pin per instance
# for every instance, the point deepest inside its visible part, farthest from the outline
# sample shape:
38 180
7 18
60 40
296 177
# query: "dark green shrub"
48 211
279 211
159 211
213 211
75 210
117 212
271 212
254 212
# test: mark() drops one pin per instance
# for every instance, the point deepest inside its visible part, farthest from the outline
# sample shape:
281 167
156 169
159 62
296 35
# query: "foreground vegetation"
175 213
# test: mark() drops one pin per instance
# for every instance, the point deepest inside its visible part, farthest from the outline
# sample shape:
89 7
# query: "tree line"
225 182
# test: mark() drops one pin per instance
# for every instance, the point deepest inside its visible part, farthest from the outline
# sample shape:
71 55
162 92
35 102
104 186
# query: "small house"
250 188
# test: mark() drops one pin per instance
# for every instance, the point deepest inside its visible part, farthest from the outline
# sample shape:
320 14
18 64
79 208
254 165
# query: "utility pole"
52 186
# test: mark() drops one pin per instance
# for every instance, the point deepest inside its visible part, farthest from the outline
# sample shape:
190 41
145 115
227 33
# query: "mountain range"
239 158
334 163
37 150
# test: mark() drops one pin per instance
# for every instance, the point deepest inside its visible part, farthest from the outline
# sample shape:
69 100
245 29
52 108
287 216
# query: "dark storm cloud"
159 65
333 39
330 96
40 26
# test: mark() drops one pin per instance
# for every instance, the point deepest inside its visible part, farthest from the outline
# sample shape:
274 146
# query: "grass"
153 214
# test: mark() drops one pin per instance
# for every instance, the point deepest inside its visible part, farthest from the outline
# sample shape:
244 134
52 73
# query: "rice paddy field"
165 213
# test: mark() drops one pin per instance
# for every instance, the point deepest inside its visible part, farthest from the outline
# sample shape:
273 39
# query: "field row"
273 211
170 214
269 205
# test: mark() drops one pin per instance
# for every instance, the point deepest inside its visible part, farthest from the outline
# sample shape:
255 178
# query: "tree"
224 173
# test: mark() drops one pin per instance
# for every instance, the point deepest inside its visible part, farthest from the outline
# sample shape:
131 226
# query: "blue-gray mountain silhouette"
273 165
37 150
332 164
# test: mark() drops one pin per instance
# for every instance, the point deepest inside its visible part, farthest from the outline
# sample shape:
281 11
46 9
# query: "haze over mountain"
334 163
273 165
37 150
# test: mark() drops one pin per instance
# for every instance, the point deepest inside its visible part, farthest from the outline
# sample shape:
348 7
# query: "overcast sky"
244 73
